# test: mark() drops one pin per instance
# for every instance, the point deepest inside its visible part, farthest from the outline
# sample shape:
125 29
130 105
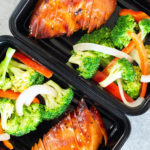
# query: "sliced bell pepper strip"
137 15
143 59
35 66
13 95
112 88
7 143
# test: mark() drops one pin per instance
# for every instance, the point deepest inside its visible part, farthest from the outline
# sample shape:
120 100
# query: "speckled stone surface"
140 135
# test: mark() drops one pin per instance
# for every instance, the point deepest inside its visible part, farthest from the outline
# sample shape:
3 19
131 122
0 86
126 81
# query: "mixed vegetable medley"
21 80
117 58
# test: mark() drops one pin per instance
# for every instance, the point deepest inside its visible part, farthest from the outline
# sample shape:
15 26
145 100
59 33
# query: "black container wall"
117 125
61 47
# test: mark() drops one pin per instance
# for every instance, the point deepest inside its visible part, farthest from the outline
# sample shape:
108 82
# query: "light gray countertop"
140 134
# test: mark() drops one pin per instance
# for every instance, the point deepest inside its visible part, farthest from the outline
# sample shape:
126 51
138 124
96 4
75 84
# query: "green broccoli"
144 27
16 125
97 36
132 88
107 42
122 69
34 114
23 76
55 106
119 34
88 63
101 37
105 58
5 82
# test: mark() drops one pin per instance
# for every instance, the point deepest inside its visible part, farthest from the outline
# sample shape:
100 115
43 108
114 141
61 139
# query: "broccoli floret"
16 125
88 63
96 36
55 106
122 69
144 27
23 76
101 37
106 58
119 34
107 42
132 88
5 82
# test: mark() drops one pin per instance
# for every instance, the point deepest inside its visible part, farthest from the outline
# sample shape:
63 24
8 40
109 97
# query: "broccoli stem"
6 114
75 60
18 65
4 64
16 71
57 88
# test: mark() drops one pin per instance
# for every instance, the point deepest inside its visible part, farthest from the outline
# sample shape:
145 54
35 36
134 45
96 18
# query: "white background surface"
140 135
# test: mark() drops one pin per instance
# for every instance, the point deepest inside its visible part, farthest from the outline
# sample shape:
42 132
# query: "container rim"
121 116
106 98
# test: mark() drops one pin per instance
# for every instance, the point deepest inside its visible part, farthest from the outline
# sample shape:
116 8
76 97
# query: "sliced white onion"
136 103
103 49
111 78
4 137
145 78
27 96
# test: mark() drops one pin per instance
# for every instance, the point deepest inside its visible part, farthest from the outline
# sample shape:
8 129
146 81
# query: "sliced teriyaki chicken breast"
83 129
52 18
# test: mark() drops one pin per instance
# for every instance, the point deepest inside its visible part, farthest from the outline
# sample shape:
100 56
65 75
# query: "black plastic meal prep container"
116 123
61 47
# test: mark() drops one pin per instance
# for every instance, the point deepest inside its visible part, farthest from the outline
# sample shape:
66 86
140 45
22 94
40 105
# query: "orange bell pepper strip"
143 59
112 88
13 95
35 66
137 15
7 143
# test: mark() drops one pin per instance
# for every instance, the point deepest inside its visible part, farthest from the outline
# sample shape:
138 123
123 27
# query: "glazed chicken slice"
61 137
99 121
43 20
80 130
97 14
64 17
88 126
40 145
52 18
78 13
110 8
88 11
101 11
81 139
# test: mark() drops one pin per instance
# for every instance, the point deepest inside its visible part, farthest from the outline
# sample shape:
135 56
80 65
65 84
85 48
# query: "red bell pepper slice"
35 66
137 15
